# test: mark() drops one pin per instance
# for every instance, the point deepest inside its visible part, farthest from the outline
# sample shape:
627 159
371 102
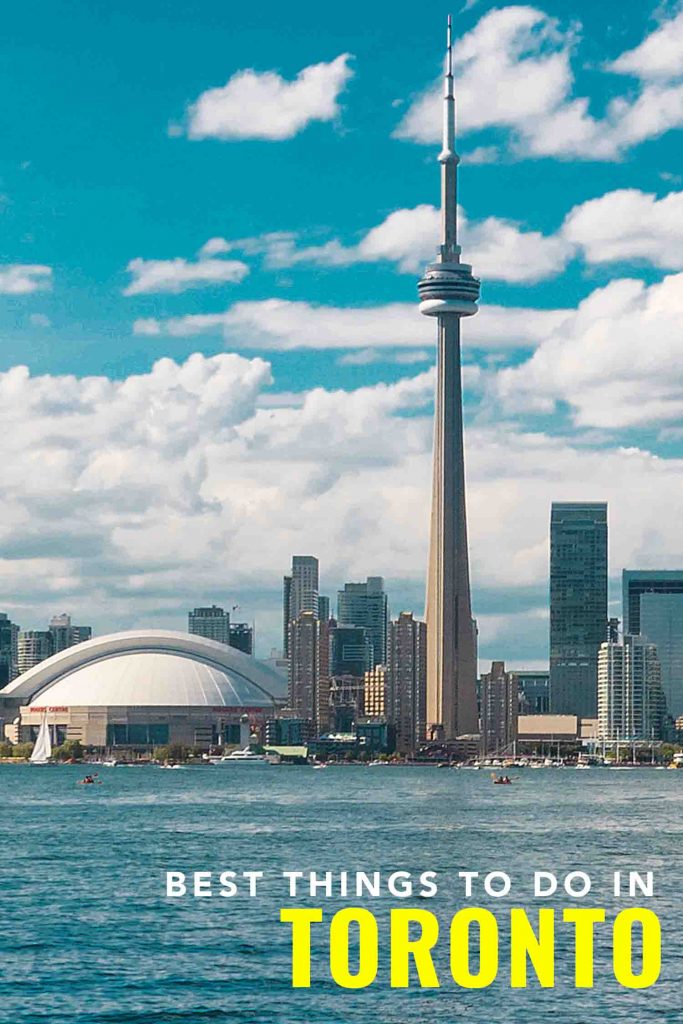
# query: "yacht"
245 756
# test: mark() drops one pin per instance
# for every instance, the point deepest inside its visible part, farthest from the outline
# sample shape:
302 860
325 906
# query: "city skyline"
126 487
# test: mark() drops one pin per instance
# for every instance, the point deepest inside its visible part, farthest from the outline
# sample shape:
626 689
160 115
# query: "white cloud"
617 363
659 56
179 275
282 325
514 73
24 278
629 225
499 249
254 105
40 320
127 499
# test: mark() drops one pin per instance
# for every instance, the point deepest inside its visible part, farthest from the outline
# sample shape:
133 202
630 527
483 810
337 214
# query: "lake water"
89 937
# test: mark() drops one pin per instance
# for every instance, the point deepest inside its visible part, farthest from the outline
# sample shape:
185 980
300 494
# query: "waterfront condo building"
407 696
631 703
578 605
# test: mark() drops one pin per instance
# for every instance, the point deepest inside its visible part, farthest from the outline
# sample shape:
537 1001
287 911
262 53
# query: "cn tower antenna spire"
449 159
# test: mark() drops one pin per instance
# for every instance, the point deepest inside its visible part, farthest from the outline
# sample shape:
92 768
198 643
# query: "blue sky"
141 133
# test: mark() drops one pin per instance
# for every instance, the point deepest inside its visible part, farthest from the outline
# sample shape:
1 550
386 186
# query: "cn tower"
449 291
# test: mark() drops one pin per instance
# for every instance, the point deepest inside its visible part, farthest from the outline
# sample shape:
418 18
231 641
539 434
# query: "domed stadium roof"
154 668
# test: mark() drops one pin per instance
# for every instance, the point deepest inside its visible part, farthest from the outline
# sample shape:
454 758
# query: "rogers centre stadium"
140 689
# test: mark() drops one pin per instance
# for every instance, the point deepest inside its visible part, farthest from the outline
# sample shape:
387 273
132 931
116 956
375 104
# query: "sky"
213 218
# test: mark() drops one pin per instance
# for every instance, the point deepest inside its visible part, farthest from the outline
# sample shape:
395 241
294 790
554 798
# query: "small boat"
502 780
245 756
169 766
42 748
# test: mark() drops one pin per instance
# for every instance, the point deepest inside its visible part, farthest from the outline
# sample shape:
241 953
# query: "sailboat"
42 749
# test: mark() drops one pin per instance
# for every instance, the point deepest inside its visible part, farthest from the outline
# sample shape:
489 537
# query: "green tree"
70 750
21 749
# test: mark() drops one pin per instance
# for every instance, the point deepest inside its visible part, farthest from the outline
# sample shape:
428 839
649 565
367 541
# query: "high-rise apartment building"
578 605
375 692
212 623
407 670
631 703
299 593
65 635
34 646
366 605
9 650
323 608
309 660
653 608
499 710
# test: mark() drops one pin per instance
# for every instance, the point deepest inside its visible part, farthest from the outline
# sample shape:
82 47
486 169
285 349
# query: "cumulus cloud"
500 249
179 275
283 325
616 363
263 105
659 56
514 73
24 278
148 488
629 225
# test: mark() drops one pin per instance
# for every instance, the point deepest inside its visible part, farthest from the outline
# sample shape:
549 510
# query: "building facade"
499 710
9 649
631 703
578 605
366 605
299 593
242 637
64 634
653 607
375 692
407 671
533 689
33 646
212 623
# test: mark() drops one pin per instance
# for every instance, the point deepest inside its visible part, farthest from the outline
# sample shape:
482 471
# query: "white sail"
42 750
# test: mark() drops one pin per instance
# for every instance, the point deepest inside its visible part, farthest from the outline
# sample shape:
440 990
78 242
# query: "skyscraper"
299 593
309 683
448 291
630 698
242 637
365 604
34 646
499 710
653 607
578 605
351 652
407 680
212 623
9 649
65 635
